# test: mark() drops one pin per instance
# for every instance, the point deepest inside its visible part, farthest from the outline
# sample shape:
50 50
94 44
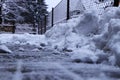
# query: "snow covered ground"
22 39
90 38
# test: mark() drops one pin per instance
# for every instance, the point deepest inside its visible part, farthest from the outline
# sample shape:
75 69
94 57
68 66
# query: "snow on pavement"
70 41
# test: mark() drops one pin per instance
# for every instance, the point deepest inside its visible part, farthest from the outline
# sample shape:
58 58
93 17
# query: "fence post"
52 22
0 14
116 3
68 9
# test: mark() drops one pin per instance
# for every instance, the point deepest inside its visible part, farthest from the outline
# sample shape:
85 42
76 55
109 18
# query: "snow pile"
84 55
114 41
22 39
72 33
88 23
56 36
109 39
90 37
73 36
110 13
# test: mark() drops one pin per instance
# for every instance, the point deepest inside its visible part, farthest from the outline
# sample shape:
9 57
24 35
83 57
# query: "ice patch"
4 49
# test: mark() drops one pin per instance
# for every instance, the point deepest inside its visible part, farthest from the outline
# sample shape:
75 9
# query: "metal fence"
63 11
69 8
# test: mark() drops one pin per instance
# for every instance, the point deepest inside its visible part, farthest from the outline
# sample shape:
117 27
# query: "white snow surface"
75 35
84 55
89 35
109 37
88 23
22 39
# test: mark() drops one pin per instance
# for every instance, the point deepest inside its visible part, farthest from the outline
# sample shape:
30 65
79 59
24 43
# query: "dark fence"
67 9
64 10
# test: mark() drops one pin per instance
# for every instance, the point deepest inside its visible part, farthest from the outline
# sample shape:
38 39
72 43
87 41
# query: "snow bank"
109 13
73 32
88 23
22 39
73 36
109 39
56 36
114 41
80 35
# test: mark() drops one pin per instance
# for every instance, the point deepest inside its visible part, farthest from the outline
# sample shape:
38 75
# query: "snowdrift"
75 36
90 37
109 37
88 23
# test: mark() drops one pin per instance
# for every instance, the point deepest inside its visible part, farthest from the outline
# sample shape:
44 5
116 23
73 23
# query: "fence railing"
67 8
63 11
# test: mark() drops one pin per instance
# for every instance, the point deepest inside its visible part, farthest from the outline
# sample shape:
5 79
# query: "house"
76 7
116 3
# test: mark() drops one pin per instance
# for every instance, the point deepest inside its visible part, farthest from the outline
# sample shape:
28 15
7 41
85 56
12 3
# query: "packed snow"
88 38
22 39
